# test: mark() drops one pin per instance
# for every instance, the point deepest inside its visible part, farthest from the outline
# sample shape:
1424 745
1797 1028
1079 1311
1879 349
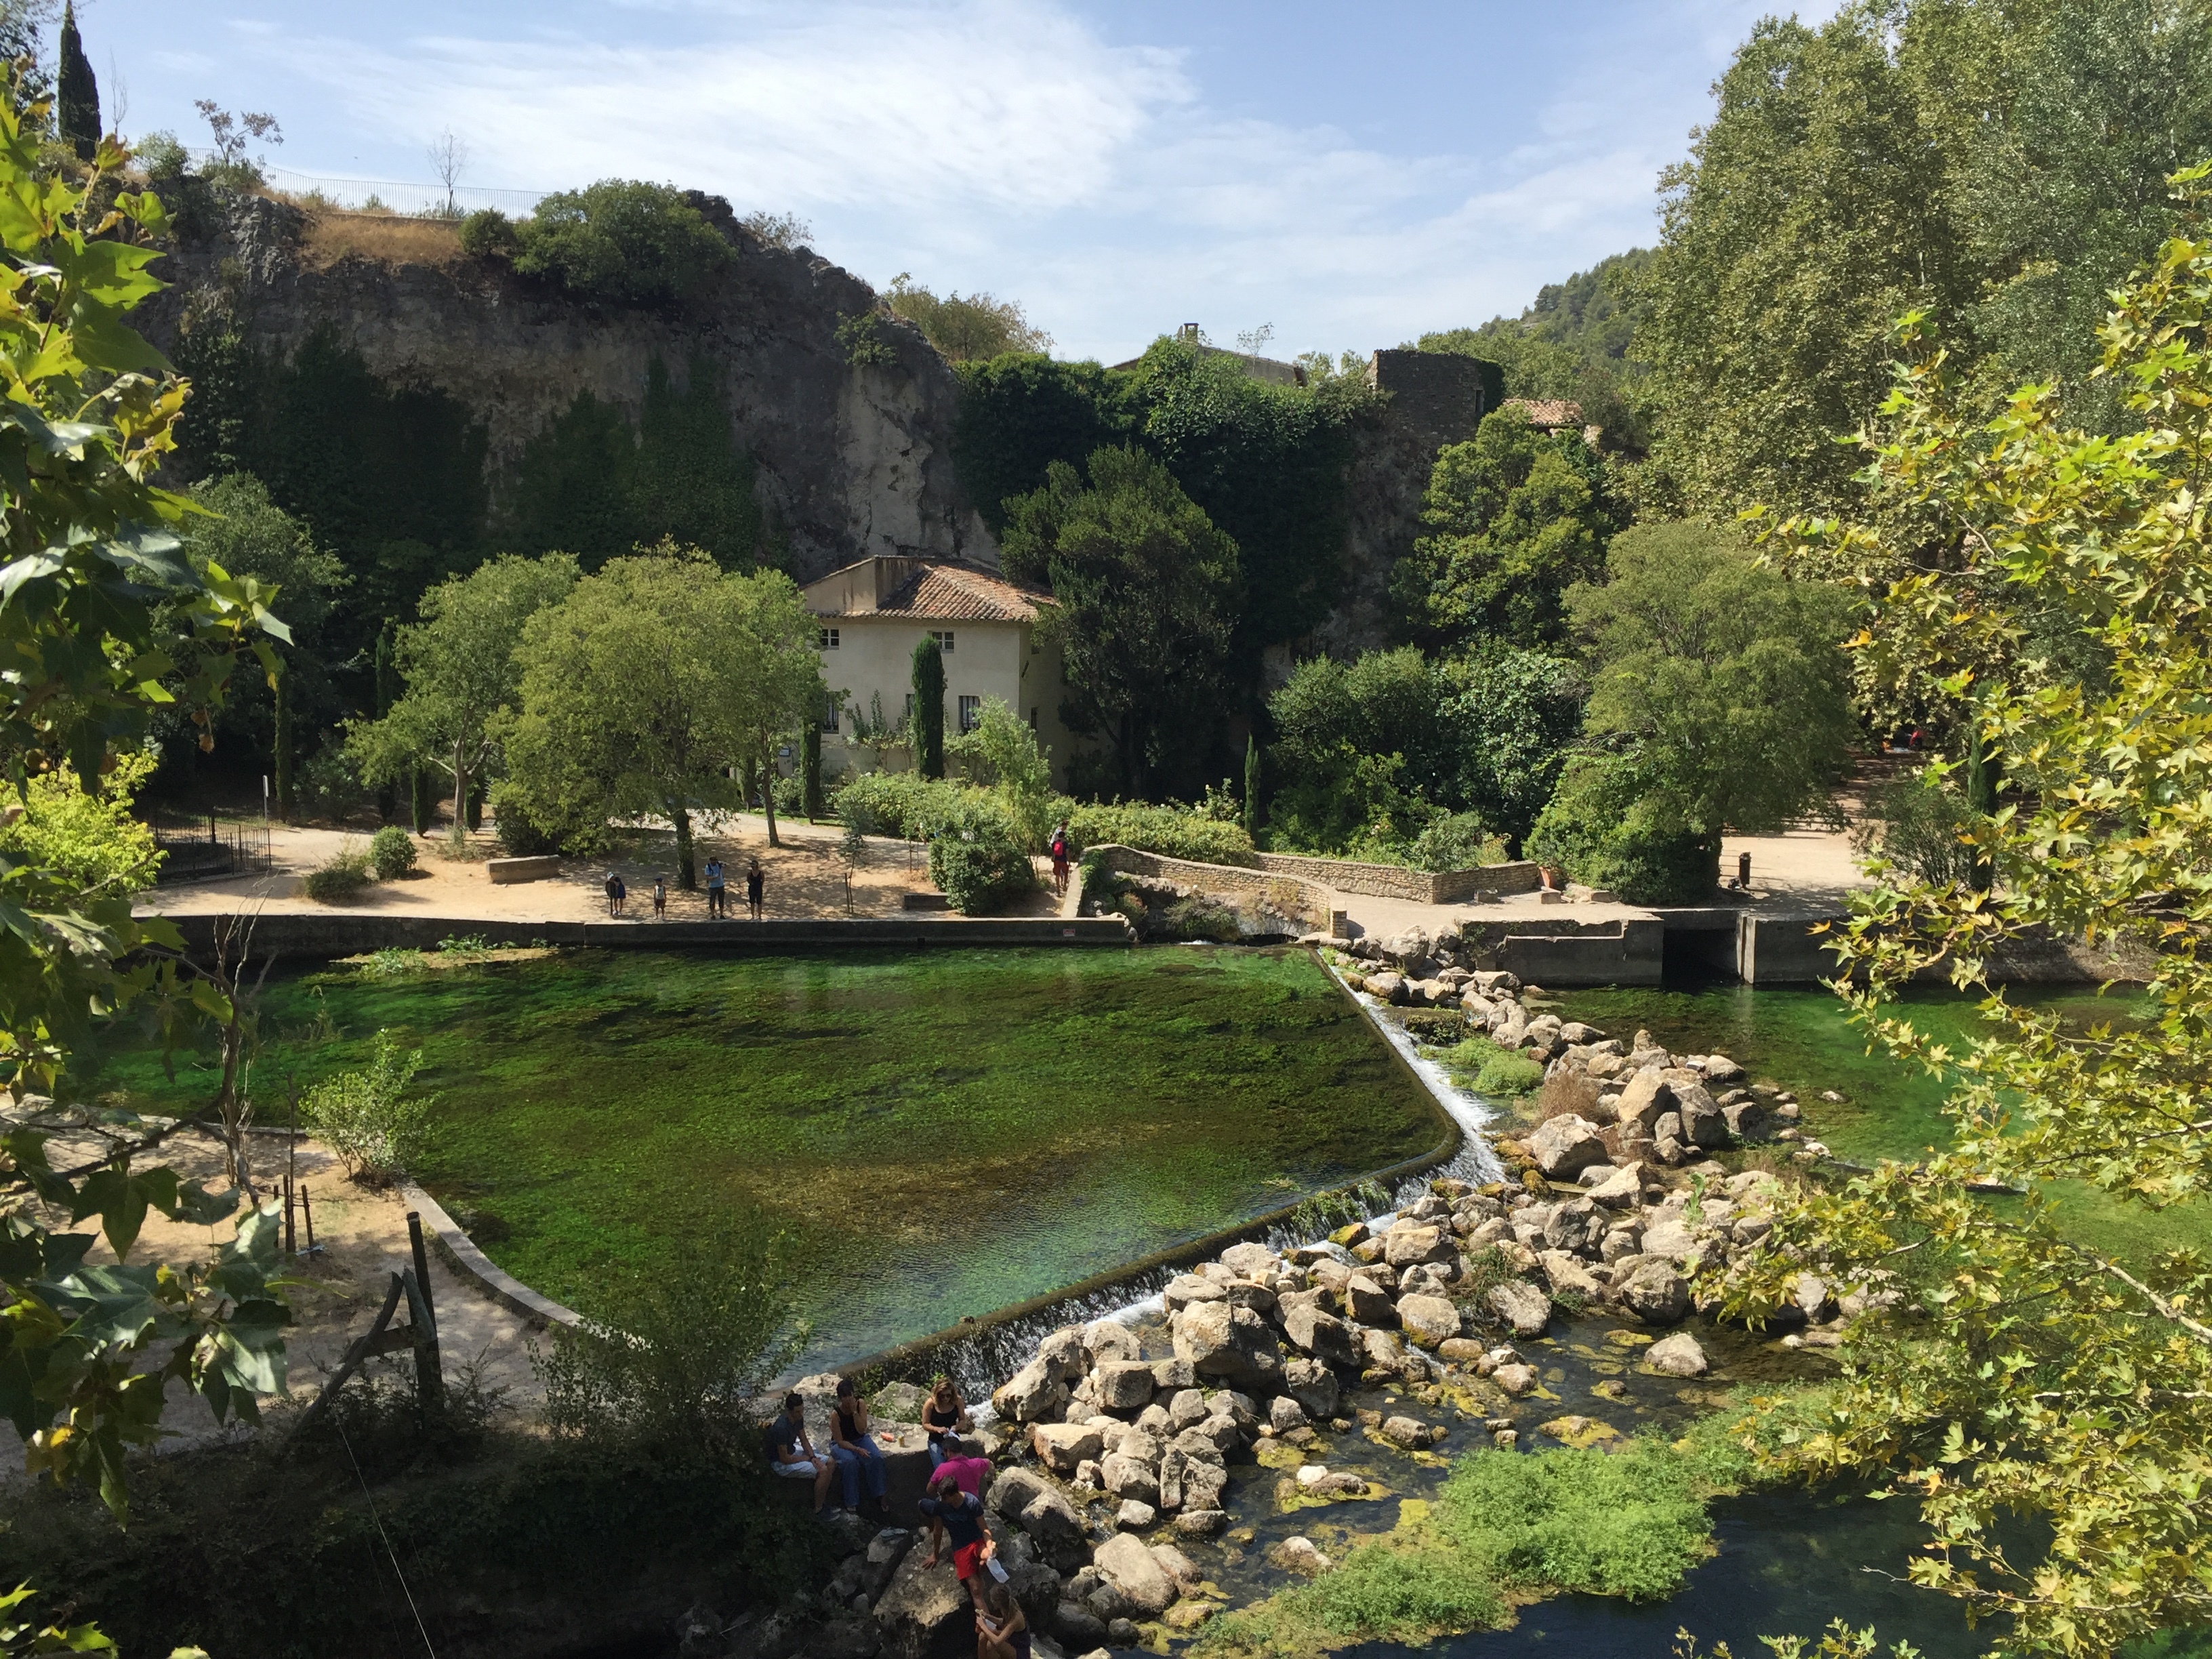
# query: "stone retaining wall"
1310 902
1394 881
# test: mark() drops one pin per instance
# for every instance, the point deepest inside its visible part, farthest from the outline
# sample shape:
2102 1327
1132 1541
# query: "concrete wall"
324 934
1553 954
1394 881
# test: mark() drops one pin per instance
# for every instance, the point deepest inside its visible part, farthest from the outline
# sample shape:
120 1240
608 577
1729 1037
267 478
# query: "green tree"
388 689
1722 681
1001 753
928 707
103 622
1509 724
974 329
1018 414
459 667
1358 752
1515 517
2017 1372
656 683
1145 594
76 94
88 838
622 240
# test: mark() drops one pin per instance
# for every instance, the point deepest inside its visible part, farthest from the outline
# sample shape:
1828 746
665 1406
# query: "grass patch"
1511 1527
1480 1067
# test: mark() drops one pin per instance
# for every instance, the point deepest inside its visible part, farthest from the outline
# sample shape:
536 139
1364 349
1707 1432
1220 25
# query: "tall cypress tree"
76 95
1252 784
387 693
929 709
282 760
809 757
423 807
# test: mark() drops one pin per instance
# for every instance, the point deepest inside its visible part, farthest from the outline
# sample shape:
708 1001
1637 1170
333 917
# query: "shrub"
976 861
903 804
676 1361
519 833
90 840
341 878
1481 1067
365 1117
1457 841
1175 832
1917 824
329 784
392 850
622 240
487 232
1600 833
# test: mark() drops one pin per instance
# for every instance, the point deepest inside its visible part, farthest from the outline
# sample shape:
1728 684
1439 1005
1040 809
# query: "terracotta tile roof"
1546 411
955 593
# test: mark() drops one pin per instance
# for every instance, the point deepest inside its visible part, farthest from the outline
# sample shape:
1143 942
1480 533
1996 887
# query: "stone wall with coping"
1310 901
1395 881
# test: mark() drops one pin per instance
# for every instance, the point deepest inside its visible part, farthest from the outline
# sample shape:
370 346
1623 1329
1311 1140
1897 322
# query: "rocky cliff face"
851 461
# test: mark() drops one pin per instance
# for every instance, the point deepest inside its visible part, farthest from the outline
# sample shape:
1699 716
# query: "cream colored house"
873 614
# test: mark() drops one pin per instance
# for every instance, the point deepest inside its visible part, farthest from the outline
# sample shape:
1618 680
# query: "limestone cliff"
850 461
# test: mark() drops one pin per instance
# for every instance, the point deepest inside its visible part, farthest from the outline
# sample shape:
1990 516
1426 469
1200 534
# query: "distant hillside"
1572 342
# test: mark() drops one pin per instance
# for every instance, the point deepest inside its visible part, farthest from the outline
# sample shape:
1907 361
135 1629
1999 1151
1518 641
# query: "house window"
944 639
1033 714
829 638
971 711
830 709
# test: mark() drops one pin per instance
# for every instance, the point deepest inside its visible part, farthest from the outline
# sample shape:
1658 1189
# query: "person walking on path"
755 883
659 898
617 893
854 1448
1059 861
791 1455
714 890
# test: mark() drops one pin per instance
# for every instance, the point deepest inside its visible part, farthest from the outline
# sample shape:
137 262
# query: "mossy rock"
1581 1432
1627 1339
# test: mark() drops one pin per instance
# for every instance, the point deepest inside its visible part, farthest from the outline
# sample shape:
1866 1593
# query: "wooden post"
291 1231
307 1210
429 1371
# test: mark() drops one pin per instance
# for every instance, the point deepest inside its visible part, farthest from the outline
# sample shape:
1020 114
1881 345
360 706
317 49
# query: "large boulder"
1655 1292
1704 1123
1647 1098
1564 1146
1110 1340
1129 1567
1320 1334
1568 1276
1229 1342
1366 1302
1126 1477
1031 1394
1427 1320
1064 1355
1678 1355
1405 1245
919 1609
1060 1446
1577 1226
1621 1189
1314 1385
1037 1507
1123 1385
1185 1288
1203 1485
1521 1306
1670 1237
1249 1260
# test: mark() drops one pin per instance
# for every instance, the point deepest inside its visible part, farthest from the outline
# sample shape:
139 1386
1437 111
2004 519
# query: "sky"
1350 175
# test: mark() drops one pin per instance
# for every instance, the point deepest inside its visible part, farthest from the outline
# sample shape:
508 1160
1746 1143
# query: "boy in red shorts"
958 1514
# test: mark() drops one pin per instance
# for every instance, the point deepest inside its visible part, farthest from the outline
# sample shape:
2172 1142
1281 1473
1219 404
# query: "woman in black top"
1001 1632
945 1417
854 1448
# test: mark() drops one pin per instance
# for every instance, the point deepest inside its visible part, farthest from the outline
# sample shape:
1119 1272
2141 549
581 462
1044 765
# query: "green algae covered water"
1801 1038
942 1133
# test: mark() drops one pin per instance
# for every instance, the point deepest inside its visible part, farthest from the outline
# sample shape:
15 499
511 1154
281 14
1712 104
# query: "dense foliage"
973 329
1514 516
99 609
88 839
1146 590
2017 1372
622 240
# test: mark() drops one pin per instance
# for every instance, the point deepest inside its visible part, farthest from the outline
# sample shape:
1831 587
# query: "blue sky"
1351 174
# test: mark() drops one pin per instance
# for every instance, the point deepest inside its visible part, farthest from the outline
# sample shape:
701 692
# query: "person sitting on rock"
854 1448
945 1417
1001 1629
791 1455
958 1515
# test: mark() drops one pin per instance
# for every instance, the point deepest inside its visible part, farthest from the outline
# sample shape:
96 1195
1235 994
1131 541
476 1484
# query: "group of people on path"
953 1507
717 892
